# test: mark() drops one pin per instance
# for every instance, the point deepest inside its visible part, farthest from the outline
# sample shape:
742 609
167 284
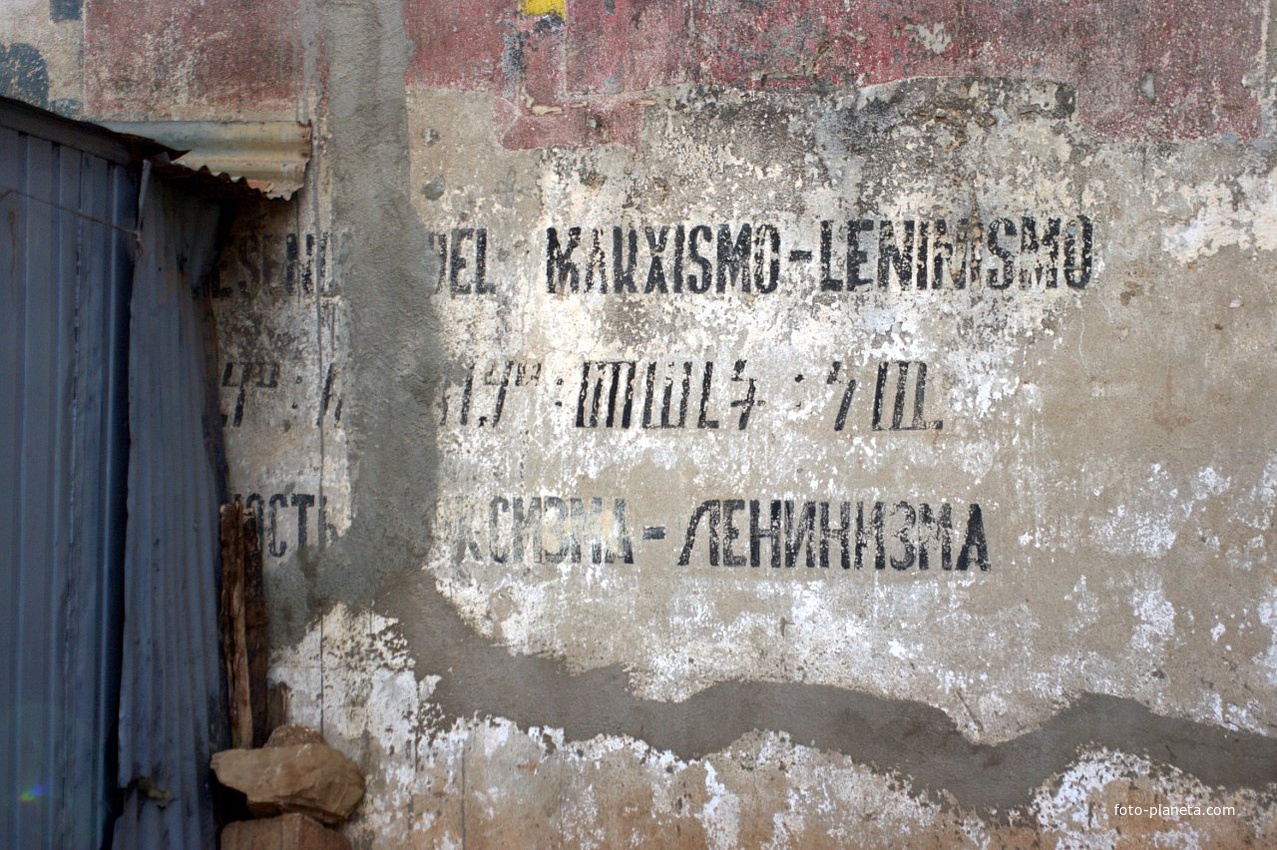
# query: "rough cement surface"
1119 651
1095 587
485 782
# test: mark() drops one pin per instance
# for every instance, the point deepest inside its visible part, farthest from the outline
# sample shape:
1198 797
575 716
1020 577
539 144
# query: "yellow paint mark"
546 7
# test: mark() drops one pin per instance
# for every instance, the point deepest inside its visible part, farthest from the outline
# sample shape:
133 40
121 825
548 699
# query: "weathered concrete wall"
600 505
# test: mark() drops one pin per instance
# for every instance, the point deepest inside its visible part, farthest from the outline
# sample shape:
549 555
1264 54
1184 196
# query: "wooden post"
244 618
256 624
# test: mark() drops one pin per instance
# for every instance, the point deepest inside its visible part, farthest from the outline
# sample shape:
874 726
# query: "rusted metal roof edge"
269 156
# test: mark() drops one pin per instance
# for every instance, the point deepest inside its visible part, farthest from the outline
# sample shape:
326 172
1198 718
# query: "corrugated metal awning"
270 156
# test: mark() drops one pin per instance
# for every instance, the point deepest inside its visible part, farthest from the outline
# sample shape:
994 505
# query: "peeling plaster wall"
424 392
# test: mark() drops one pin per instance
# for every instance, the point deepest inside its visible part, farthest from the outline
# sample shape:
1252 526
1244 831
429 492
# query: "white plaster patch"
721 813
1155 613
1087 602
1065 811
1257 507
934 37
1150 525
1210 483
1240 213
1267 660
377 701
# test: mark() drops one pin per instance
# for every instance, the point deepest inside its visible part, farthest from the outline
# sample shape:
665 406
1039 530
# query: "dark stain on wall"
24 75
65 10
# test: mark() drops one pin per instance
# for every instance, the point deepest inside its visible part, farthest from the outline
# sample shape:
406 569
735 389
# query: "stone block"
286 832
312 779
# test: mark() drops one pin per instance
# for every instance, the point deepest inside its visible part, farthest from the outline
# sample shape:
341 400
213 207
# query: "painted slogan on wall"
1028 255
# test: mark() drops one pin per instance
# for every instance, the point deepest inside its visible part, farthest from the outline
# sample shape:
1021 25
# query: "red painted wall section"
628 46
560 83
156 57
460 45
581 80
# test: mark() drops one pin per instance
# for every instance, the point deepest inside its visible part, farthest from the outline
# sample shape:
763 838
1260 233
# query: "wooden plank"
257 621
234 622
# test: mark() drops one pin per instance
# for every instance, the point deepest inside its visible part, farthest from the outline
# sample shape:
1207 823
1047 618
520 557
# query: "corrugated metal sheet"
270 156
172 705
102 395
66 216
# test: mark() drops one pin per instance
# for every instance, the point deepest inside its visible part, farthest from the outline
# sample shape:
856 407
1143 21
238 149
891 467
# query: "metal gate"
109 684
68 209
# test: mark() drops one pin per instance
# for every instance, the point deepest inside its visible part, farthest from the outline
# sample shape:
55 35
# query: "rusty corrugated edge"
270 156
